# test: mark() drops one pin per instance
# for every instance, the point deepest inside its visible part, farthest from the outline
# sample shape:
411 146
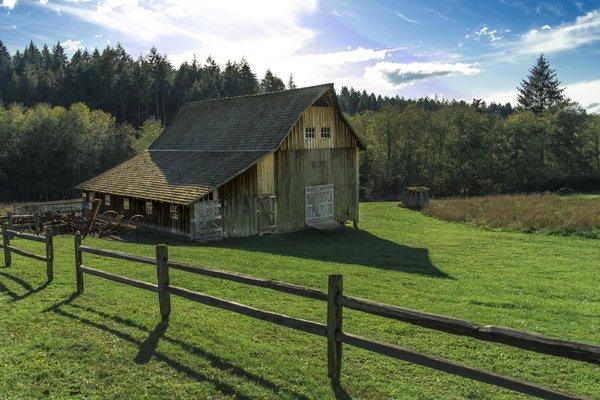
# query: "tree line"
132 90
460 149
104 106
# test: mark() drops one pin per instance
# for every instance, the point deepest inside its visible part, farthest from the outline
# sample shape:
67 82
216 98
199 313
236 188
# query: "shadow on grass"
350 247
147 350
30 290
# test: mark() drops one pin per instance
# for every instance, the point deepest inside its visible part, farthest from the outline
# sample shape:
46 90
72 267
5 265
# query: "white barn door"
207 224
319 203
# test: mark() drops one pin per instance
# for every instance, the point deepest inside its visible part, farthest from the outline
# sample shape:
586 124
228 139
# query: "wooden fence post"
162 273
49 253
6 243
334 327
9 219
78 262
37 227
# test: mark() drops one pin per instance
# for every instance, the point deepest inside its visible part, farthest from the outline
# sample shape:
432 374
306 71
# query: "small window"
107 199
325 132
91 194
84 196
125 203
309 133
174 211
149 207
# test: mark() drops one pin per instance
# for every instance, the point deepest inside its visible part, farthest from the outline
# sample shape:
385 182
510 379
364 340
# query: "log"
295 323
120 279
454 368
564 348
27 236
162 273
117 254
334 327
235 277
24 253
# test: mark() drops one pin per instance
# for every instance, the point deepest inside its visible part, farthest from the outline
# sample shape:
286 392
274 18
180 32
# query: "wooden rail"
336 301
47 239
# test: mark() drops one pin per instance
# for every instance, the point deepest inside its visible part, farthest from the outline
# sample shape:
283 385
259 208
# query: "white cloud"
43 2
583 31
10 4
485 32
398 75
407 19
72 45
586 93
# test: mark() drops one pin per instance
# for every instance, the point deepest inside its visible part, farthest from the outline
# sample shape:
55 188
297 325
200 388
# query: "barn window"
309 133
91 194
107 199
125 203
174 211
325 132
84 196
149 207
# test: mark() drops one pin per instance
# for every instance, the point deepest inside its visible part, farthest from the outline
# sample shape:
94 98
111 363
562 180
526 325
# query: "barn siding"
159 220
238 200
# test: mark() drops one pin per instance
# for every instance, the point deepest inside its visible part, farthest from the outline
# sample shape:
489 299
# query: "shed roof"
208 143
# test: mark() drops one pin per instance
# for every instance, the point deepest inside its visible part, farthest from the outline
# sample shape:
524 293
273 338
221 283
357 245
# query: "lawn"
108 343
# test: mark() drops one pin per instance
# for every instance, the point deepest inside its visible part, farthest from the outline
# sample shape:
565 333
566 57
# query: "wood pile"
73 222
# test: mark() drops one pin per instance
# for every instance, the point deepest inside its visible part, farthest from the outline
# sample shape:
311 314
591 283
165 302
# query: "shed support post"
6 243
9 219
334 327
78 262
162 273
49 253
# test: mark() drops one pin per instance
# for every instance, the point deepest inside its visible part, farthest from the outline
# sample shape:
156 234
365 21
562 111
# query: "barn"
241 166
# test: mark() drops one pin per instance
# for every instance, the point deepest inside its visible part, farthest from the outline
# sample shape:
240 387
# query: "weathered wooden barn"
242 166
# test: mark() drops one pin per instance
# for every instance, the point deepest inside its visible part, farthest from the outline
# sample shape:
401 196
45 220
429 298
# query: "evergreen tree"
271 83
291 84
6 71
541 89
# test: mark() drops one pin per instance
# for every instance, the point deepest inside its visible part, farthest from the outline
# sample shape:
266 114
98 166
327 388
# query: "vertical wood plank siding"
238 200
159 220
265 170
301 162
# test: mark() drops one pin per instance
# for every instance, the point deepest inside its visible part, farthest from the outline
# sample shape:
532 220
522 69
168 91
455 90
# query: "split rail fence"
336 301
47 239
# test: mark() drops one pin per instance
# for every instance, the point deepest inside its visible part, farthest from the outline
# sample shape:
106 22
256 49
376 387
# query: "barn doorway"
266 214
319 203
207 224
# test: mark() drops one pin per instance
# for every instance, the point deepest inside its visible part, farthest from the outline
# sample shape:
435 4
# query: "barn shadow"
353 247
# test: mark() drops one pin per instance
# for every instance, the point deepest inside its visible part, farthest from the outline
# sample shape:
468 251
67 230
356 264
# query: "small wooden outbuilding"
242 166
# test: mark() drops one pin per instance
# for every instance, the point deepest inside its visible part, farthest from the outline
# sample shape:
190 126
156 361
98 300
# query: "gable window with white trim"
310 133
125 203
107 199
174 211
325 132
149 207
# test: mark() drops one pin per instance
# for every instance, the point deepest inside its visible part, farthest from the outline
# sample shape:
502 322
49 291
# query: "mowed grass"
577 214
108 343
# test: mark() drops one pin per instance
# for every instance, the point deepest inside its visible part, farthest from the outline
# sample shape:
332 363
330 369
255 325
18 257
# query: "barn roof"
208 143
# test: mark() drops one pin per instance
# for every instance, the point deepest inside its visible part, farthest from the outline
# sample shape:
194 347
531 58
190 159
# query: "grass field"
108 343
576 214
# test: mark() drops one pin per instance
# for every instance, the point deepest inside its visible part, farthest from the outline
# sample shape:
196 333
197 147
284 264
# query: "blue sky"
452 48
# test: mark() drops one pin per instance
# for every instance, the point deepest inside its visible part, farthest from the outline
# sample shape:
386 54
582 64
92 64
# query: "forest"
64 119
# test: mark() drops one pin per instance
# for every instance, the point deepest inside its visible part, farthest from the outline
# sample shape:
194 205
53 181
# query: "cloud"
72 45
399 75
485 32
407 19
439 14
586 93
43 2
10 4
585 30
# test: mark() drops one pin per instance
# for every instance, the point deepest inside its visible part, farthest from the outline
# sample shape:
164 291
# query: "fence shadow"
147 350
353 247
30 290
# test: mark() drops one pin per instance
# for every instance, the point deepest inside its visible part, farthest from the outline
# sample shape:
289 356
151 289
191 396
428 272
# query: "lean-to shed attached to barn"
242 166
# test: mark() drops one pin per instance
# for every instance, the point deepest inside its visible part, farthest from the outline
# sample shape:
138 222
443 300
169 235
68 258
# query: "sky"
456 49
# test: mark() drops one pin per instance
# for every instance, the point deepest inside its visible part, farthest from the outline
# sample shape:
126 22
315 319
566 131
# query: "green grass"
107 343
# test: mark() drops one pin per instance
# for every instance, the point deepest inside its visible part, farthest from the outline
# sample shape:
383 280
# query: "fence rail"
60 206
336 301
47 239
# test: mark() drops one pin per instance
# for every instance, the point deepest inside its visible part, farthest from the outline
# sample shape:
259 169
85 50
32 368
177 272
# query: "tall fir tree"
271 83
541 89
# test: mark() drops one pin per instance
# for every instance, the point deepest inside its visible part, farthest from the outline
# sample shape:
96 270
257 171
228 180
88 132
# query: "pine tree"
541 89
6 70
271 83
291 84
